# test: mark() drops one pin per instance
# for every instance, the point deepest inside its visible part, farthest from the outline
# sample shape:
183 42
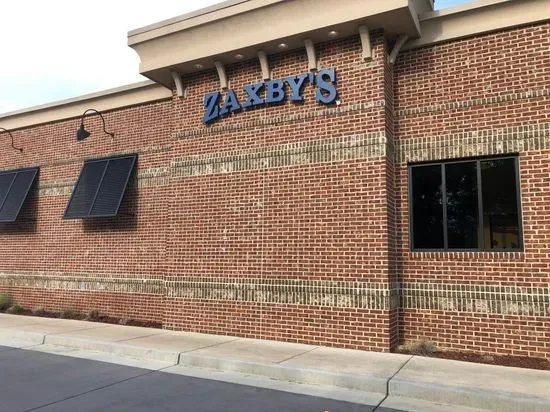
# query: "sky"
58 49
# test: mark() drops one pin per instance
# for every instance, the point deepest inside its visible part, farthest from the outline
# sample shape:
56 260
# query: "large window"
466 205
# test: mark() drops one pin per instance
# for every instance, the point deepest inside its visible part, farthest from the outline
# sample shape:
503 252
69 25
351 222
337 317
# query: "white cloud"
56 49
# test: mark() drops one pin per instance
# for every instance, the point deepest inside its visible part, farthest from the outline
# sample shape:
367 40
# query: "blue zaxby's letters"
272 92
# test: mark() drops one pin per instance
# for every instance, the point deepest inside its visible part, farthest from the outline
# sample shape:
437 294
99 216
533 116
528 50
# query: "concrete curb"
113 348
381 385
467 396
367 383
19 338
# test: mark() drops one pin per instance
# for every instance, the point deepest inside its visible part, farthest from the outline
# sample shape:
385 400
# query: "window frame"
478 161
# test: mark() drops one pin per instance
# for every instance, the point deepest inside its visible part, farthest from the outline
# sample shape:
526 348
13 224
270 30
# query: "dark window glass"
466 205
427 206
462 210
500 209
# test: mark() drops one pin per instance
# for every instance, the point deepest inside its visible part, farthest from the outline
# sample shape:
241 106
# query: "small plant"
70 313
123 321
39 312
16 309
421 347
6 301
93 315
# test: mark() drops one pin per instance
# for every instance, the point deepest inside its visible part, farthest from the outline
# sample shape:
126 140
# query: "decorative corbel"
397 48
224 84
264 64
365 43
311 56
180 88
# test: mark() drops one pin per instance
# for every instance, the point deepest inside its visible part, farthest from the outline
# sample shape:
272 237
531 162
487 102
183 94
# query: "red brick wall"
500 80
318 221
91 255
290 222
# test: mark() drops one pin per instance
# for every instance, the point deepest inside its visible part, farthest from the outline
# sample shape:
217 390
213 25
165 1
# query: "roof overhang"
194 41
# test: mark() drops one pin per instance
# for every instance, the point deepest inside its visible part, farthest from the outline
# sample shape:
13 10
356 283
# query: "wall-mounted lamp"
83 134
8 132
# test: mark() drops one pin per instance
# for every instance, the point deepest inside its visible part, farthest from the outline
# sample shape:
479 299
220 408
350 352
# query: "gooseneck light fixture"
83 134
8 132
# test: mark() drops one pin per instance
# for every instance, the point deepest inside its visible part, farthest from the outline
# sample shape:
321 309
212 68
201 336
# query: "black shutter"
14 189
100 188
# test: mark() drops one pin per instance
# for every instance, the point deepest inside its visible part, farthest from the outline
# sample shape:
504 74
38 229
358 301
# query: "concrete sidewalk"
392 380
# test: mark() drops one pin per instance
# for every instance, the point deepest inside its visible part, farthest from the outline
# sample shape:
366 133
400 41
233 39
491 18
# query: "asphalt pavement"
35 381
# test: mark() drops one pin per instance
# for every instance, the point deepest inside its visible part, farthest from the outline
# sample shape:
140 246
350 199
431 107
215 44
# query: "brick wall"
478 97
114 265
290 222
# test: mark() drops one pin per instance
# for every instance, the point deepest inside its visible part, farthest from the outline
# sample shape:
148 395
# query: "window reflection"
427 206
500 209
445 205
462 210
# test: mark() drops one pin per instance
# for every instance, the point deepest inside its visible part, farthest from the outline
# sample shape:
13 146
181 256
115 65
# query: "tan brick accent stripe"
85 282
486 142
293 154
270 121
502 300
465 104
484 299
73 160
56 188
468 144
154 177
360 295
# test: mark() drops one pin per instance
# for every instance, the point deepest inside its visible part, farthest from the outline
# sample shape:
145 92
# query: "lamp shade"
82 133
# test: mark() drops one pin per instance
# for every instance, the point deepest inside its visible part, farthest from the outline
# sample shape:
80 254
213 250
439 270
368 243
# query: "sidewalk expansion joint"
138 337
388 384
295 356
74 330
208 346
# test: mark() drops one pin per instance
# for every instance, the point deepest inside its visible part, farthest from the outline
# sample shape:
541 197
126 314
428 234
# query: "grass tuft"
16 309
71 313
6 301
421 348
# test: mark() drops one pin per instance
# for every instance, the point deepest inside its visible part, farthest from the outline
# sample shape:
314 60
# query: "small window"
466 205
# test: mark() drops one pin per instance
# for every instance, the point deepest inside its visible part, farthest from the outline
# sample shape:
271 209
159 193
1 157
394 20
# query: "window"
465 205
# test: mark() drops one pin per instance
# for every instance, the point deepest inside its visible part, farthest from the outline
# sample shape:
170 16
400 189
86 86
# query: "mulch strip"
81 316
500 360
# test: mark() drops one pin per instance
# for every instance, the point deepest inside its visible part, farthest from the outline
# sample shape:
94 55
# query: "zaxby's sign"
272 92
